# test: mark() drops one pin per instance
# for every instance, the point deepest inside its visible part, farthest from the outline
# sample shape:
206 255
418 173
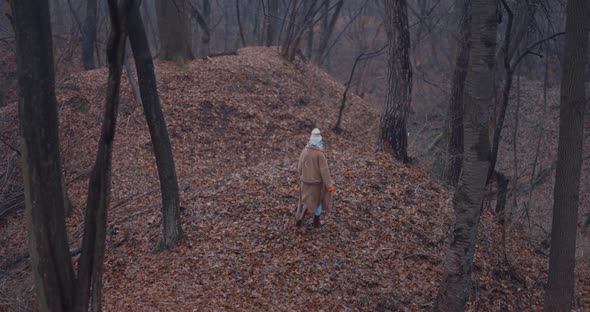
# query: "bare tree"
525 12
50 257
239 20
89 34
292 37
157 125
455 112
328 24
270 22
206 21
175 30
90 266
469 195
399 81
562 260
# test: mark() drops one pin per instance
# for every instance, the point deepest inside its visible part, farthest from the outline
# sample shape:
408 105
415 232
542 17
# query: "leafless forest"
149 155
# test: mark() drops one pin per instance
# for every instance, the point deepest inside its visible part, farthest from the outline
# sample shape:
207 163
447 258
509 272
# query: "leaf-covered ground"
237 125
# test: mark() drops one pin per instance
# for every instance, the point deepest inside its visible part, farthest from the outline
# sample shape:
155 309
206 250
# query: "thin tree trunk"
258 32
497 124
270 22
509 73
206 20
175 30
310 41
540 128
52 269
469 195
515 154
348 84
242 38
130 77
562 259
525 13
172 230
291 41
89 35
328 29
399 83
502 183
516 29
455 113
90 267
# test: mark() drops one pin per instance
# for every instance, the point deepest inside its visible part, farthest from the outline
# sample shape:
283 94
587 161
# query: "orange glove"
331 189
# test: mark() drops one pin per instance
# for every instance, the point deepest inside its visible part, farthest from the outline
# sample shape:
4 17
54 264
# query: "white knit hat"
315 135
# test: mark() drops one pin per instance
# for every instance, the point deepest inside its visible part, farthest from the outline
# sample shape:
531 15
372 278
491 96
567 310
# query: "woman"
316 186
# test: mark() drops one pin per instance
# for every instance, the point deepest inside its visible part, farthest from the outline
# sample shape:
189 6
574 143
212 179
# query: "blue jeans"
318 210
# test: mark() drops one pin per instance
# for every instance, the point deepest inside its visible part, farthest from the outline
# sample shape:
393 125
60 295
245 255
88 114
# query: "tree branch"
10 146
361 57
534 45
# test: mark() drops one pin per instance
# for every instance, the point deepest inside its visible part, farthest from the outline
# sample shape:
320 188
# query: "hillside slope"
237 125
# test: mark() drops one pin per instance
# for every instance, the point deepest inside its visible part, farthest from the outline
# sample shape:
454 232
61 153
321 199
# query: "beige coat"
315 180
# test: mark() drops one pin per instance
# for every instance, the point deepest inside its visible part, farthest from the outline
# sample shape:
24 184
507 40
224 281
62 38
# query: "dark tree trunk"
309 48
502 182
522 20
328 28
203 21
291 41
455 112
157 126
52 269
240 28
257 32
175 30
90 266
562 260
516 29
270 22
89 35
207 19
301 16
469 195
399 81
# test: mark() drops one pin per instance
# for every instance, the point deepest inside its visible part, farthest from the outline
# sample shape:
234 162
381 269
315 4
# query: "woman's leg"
316 219
318 210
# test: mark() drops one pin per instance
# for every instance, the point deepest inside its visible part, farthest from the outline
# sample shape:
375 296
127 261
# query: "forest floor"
237 125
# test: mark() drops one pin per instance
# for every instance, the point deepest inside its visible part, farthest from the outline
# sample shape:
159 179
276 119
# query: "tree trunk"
399 81
204 21
240 28
469 196
175 30
52 269
328 28
525 13
90 266
157 126
309 47
291 41
502 182
270 22
89 35
257 32
515 31
562 260
455 113
207 18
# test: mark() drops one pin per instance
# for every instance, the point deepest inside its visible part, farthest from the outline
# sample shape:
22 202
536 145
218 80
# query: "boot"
300 222
317 222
